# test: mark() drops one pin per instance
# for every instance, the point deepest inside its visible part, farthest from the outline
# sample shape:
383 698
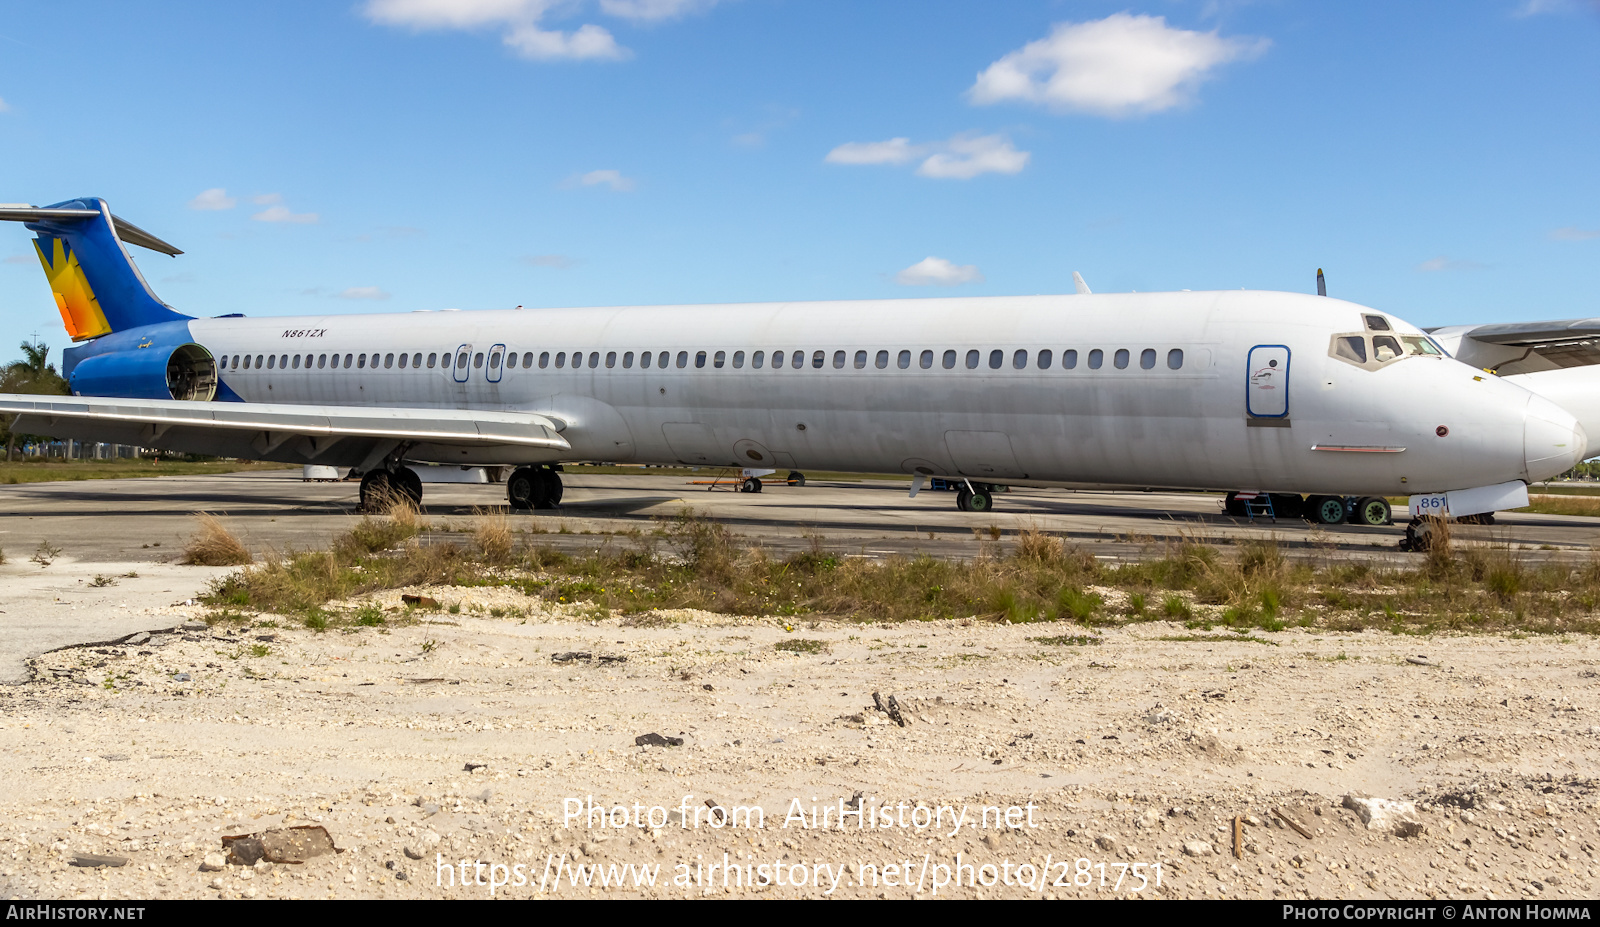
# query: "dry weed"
214 545
493 535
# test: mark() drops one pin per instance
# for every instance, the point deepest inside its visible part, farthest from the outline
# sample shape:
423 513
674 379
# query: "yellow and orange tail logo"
80 310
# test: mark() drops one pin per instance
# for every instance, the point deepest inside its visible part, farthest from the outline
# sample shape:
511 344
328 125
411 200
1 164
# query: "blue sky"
1439 159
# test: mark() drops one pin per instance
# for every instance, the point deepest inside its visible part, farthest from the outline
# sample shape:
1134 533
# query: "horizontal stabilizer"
127 231
432 426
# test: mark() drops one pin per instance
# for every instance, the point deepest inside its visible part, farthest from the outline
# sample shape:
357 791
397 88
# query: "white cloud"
1540 7
363 292
281 213
1118 66
1573 233
4 106
612 179
653 10
936 271
213 199
590 42
520 20
893 151
556 261
961 157
1442 263
966 156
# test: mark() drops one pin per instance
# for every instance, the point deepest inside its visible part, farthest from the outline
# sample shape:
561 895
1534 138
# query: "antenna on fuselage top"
1322 284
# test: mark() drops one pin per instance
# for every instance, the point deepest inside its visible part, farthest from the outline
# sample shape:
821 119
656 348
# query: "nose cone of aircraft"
1552 440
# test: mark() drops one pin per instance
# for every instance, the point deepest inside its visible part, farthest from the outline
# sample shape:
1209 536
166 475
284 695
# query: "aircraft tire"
1372 511
549 494
964 499
1232 506
750 485
796 478
377 491
1325 510
522 488
980 501
410 485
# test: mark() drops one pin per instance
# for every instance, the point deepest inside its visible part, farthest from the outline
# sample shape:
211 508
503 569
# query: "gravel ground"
460 737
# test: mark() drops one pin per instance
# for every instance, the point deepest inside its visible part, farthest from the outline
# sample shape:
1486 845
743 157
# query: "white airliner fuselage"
1198 390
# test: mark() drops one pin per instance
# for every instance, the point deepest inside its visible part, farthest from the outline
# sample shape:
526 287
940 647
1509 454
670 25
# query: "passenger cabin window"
718 359
544 359
611 359
996 358
1096 358
1175 359
777 360
1019 360
1147 358
882 360
683 359
627 360
838 360
527 359
817 357
757 359
1120 358
700 359
972 359
738 359
904 360
1045 357
949 360
561 359
347 359
661 359
861 360
797 359
925 360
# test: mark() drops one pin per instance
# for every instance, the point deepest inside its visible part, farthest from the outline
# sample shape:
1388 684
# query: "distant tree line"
32 374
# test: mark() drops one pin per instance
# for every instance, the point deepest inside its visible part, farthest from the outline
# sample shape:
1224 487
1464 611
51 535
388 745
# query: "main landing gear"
534 488
381 489
975 497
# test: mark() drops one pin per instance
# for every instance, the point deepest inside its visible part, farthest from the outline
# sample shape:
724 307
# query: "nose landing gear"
979 498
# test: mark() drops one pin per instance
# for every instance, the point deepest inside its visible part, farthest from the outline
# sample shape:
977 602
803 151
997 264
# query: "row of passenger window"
1043 359
1019 360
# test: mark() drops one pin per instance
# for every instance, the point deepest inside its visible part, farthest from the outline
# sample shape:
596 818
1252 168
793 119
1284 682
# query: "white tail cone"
1552 440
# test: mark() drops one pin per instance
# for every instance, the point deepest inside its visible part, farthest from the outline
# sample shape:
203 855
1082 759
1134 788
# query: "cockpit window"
1377 323
1374 351
1351 348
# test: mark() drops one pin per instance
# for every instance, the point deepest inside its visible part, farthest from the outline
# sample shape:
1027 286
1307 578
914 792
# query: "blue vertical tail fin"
97 287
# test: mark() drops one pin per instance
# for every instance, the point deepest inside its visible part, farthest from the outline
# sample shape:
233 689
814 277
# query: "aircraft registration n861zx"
1192 390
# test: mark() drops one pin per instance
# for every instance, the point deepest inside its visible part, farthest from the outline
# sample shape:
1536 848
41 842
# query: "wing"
328 435
1525 347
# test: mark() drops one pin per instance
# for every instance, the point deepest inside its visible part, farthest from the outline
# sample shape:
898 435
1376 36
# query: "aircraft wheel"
549 496
1233 506
750 485
964 499
1372 511
796 478
377 491
410 485
980 501
522 488
1420 535
1325 510
1288 505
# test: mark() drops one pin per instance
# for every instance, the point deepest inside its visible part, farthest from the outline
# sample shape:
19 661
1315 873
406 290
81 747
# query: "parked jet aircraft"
1279 391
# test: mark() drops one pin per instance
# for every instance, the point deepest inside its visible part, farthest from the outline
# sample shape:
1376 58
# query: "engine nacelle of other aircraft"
153 362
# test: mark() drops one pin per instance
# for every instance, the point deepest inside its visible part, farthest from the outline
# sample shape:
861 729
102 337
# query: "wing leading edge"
331 435
1525 347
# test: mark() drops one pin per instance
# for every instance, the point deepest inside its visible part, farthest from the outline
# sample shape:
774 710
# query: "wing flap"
435 426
